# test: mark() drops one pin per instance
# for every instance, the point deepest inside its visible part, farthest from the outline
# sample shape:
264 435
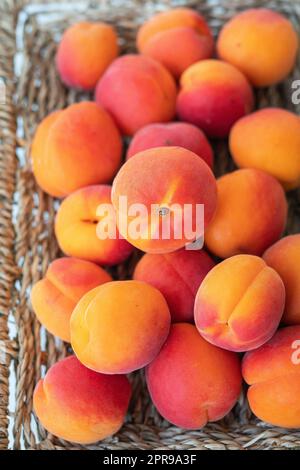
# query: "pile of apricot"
187 314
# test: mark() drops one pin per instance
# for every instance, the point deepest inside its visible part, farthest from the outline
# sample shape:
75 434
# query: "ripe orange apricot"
284 257
166 187
137 90
76 227
119 326
269 140
75 147
261 43
251 214
38 151
213 95
80 405
84 52
273 374
54 297
173 134
177 38
239 303
192 382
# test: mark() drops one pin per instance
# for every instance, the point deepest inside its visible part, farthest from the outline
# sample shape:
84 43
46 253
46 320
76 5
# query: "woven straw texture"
29 32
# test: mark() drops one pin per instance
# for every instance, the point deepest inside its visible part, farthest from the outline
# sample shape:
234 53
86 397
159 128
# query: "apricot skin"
273 374
54 297
119 327
80 405
75 147
213 96
76 228
159 178
269 140
192 382
137 90
284 257
261 43
84 52
174 134
178 276
250 222
240 303
177 38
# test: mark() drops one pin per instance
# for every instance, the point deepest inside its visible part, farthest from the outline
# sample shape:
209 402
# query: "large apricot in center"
164 189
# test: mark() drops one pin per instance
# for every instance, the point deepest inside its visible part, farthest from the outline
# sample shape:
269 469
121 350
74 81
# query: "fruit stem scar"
163 211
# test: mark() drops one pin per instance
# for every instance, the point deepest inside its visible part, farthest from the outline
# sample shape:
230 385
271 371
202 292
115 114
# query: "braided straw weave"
29 32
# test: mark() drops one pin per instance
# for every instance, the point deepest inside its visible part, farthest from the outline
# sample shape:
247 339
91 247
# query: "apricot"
84 52
251 214
269 140
192 382
171 184
240 303
177 38
178 276
80 405
137 90
273 375
174 134
119 326
213 96
77 227
75 147
54 297
261 43
284 257
37 150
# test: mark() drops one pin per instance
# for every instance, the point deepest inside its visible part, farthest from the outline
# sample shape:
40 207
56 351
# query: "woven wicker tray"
29 32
